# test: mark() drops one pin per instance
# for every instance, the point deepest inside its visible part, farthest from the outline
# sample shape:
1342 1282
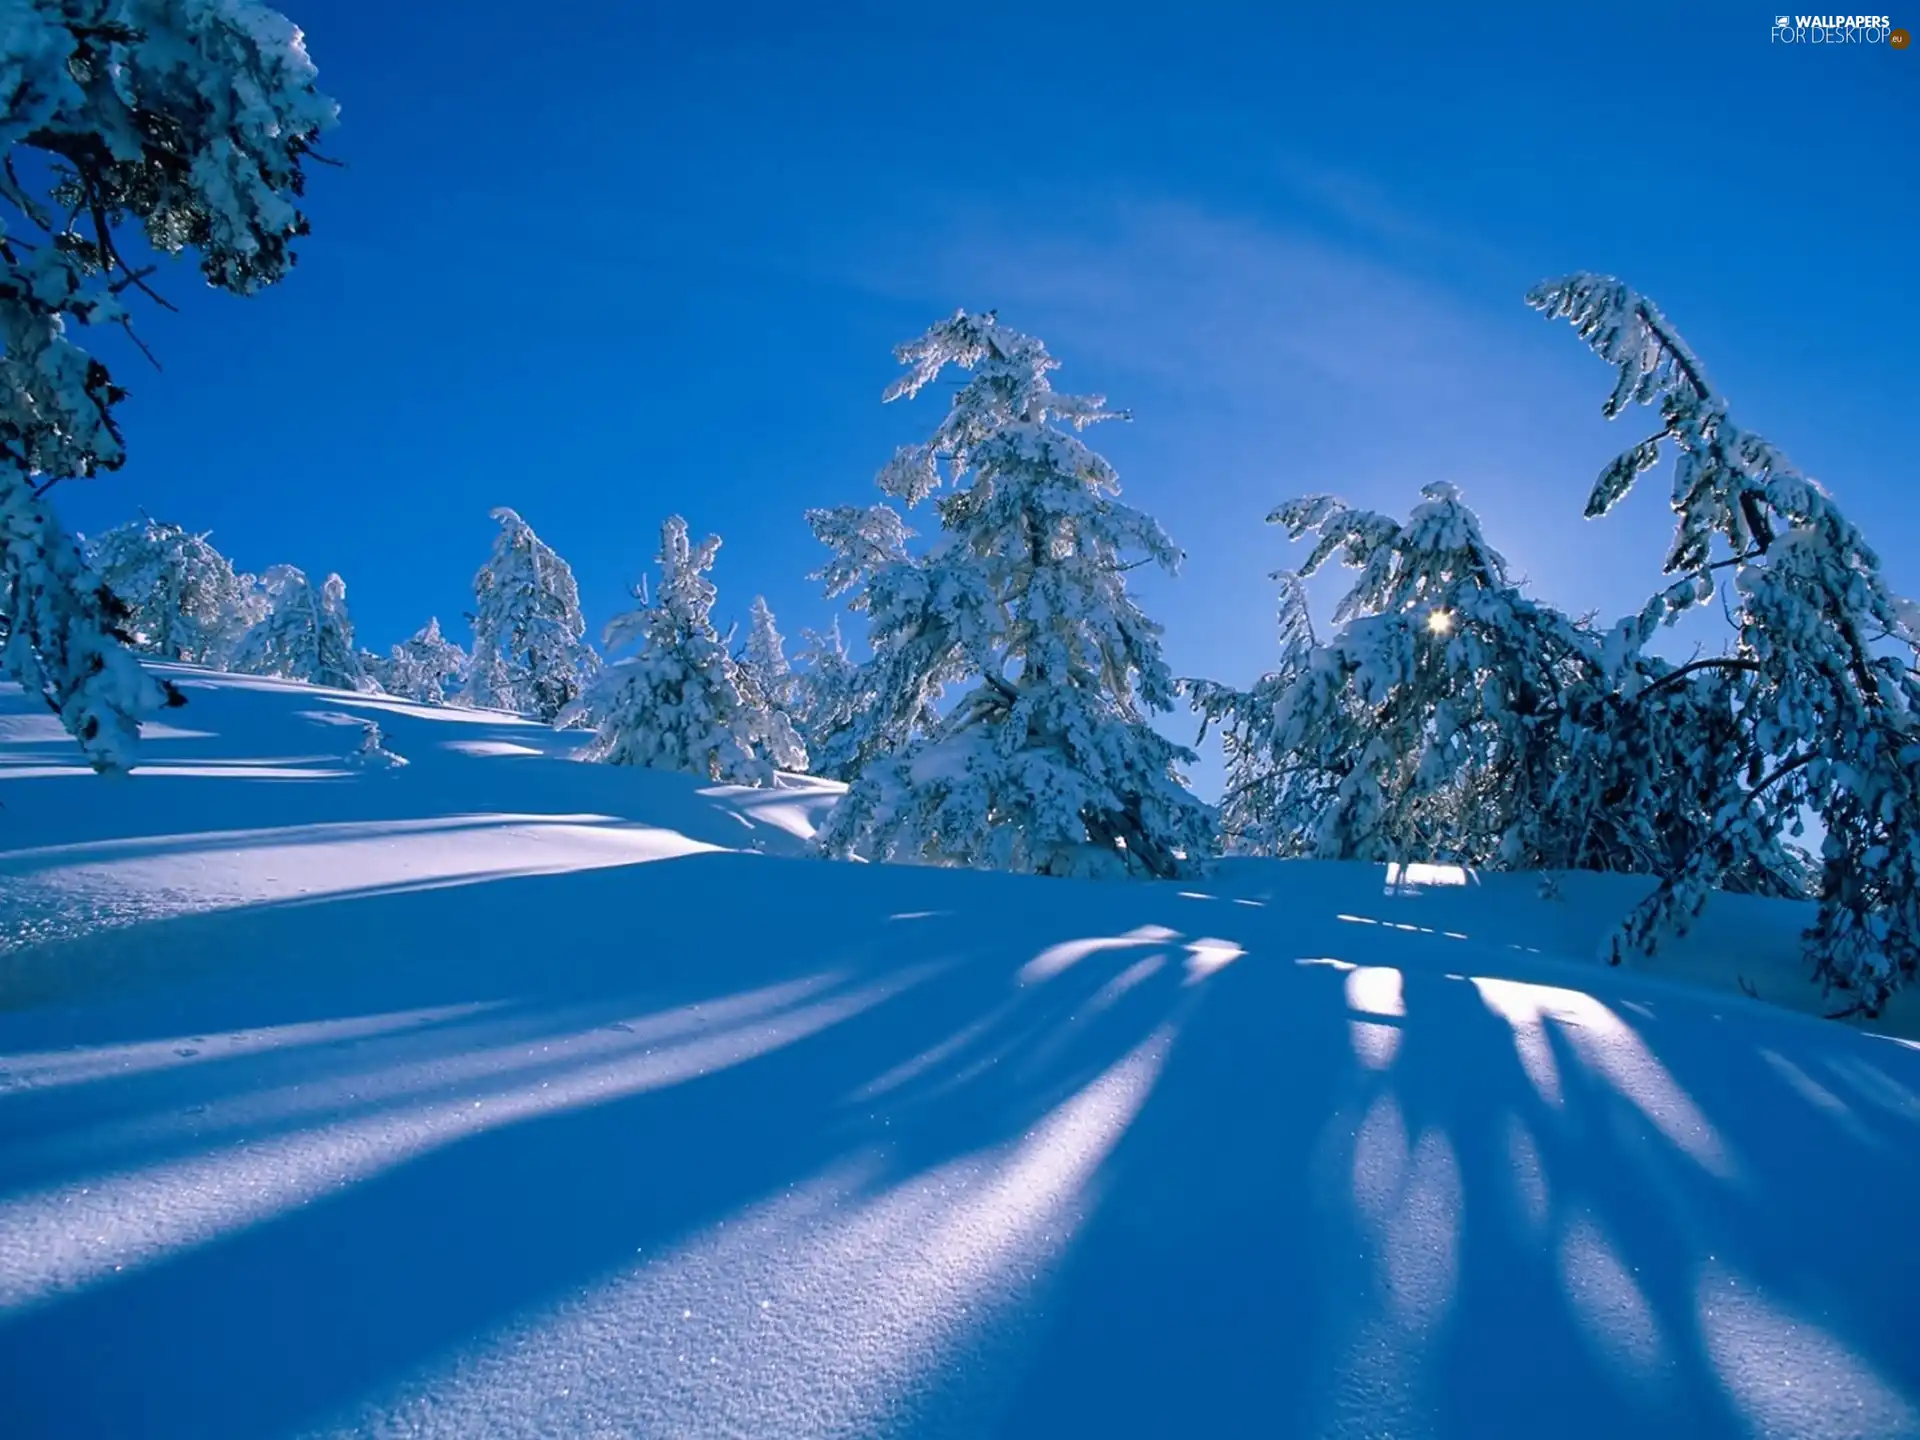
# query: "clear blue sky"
606 261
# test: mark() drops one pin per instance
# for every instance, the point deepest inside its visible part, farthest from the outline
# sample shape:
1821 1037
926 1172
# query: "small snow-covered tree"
1048 763
1824 671
680 701
429 667
306 634
184 601
529 651
192 120
768 682
764 665
829 696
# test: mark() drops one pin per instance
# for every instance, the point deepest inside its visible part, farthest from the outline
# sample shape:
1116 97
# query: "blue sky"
622 260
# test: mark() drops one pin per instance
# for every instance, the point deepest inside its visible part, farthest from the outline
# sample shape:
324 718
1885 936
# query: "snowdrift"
496 1094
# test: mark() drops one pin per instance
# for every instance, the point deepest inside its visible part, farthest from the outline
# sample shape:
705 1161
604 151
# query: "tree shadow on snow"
726 1144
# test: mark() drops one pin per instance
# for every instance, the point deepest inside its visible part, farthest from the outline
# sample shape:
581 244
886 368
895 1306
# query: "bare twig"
126 324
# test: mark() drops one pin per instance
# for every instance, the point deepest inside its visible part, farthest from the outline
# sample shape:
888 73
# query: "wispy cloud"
1240 311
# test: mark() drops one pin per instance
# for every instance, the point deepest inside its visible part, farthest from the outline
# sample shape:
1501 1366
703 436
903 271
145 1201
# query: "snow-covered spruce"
190 120
681 702
829 697
429 667
1824 675
306 633
1452 718
184 600
764 665
530 654
1047 763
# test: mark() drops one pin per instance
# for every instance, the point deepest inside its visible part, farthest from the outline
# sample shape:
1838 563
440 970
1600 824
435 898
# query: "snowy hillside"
499 1094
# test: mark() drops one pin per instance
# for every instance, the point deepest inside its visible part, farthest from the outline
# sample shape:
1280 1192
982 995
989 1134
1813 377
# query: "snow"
502 1094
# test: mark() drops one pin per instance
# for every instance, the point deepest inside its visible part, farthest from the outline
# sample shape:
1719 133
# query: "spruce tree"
829 697
1047 762
680 701
429 667
1822 679
529 651
305 635
184 600
1453 718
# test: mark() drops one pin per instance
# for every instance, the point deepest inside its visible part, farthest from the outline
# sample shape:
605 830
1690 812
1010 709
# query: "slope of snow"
501 1095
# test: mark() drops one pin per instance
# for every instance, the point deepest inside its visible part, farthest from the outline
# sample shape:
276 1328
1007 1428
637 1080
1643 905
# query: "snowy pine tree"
1823 677
1451 718
765 664
680 701
184 601
191 119
1048 763
829 696
1414 732
429 667
768 682
529 651
306 634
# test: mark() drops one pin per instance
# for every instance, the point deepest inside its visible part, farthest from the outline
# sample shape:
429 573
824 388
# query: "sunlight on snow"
826 1311
934 1055
1420 1262
1610 1048
1207 957
1403 878
1399 925
1820 1097
1608 1302
1374 1045
1057 958
1379 1158
173 874
1135 974
479 1061
1528 1174
47 730
48 1069
1375 990
218 770
65 1238
1875 1086
1409 1198
1788 1376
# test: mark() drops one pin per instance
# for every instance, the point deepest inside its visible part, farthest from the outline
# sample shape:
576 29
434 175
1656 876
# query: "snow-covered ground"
497 1094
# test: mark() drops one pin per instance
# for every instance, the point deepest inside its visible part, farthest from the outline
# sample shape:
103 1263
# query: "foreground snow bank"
547 1108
